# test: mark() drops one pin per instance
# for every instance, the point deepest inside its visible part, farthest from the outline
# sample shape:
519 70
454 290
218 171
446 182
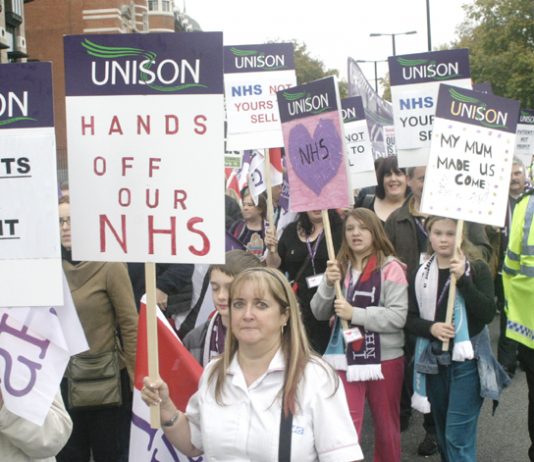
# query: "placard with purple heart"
314 142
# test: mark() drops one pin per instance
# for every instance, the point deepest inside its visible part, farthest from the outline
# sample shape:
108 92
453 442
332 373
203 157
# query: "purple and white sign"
415 81
359 149
473 142
315 148
30 255
524 146
145 122
252 76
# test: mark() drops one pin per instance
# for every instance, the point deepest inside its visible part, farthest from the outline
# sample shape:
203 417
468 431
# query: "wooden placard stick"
332 256
270 207
152 335
452 288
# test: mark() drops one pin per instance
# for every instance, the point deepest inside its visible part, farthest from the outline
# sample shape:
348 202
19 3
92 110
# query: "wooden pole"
270 206
332 256
452 287
152 335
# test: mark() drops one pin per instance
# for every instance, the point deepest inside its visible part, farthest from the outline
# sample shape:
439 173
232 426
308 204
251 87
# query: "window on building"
14 12
165 5
153 5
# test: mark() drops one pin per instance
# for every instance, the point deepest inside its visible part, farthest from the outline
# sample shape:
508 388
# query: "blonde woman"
268 393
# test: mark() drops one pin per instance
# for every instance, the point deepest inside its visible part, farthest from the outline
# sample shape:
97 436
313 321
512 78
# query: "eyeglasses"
63 221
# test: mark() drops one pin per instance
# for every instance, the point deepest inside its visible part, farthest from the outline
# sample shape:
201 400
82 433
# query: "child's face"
220 291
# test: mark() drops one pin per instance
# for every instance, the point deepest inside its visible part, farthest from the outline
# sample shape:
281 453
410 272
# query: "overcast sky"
332 30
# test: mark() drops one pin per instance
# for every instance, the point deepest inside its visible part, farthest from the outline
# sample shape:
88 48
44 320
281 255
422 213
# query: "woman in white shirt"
267 380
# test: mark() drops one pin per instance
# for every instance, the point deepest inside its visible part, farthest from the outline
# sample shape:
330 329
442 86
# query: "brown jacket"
103 296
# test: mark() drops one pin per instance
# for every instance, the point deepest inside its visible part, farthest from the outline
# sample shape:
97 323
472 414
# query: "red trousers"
383 397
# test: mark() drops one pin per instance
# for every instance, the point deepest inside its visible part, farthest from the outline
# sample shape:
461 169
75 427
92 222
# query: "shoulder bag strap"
286 430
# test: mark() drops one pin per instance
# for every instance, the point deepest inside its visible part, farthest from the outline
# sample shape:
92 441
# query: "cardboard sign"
378 111
145 125
315 148
468 173
359 149
524 146
415 81
30 255
252 76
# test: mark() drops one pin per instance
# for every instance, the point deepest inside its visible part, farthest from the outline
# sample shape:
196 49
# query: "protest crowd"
312 313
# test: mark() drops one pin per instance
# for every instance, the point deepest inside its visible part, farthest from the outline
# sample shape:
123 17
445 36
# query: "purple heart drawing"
315 160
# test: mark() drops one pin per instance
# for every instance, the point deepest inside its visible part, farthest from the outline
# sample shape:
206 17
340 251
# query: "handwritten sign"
359 149
145 125
471 157
415 81
524 146
252 76
314 142
30 255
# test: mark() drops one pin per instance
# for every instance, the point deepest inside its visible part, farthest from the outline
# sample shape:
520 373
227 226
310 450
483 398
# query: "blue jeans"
454 395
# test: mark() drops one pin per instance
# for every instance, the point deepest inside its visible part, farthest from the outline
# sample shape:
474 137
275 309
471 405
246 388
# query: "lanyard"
444 291
313 251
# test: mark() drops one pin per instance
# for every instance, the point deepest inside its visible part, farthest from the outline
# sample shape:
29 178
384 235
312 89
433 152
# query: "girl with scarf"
375 303
451 381
206 341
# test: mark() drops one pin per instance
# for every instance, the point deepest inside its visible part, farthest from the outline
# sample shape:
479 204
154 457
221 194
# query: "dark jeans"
454 394
99 431
526 357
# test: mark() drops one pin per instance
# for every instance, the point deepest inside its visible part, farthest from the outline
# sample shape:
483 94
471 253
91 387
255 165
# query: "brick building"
12 31
48 20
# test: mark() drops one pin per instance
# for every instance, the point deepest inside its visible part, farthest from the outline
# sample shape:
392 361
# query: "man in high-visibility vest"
518 281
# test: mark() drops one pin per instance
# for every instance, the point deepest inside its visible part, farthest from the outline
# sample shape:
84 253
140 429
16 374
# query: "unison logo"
425 69
14 107
526 118
302 102
474 109
135 66
254 59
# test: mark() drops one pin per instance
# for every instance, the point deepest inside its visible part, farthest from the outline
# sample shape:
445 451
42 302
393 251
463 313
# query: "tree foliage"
500 38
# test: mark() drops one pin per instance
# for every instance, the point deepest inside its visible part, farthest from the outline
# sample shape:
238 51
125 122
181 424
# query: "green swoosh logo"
13 120
293 96
238 52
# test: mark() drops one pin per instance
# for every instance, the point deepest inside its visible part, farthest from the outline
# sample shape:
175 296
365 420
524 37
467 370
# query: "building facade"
12 31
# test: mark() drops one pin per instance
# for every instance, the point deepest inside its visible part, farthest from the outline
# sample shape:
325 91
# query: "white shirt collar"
277 364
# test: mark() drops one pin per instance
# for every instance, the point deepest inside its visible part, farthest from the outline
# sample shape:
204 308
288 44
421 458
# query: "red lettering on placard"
104 221
205 241
115 126
125 197
179 198
102 170
152 204
126 165
201 128
90 125
168 119
152 166
143 123
152 231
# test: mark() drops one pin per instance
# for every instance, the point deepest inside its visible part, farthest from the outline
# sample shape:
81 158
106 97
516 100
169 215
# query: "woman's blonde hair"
470 251
382 246
293 341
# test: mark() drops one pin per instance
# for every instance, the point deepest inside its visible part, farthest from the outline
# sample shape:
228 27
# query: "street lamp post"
428 33
375 63
411 32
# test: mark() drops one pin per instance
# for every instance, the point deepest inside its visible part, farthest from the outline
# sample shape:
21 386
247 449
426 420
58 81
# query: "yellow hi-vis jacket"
518 274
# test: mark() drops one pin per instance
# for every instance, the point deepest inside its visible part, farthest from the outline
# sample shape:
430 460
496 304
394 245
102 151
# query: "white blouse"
246 426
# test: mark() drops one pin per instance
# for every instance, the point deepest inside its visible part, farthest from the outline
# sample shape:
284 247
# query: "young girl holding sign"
376 304
455 381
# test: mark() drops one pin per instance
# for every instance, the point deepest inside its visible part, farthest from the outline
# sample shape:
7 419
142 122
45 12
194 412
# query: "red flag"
177 367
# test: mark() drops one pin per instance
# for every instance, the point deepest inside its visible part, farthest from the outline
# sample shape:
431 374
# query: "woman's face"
395 184
442 237
220 291
64 225
250 211
256 317
315 216
358 236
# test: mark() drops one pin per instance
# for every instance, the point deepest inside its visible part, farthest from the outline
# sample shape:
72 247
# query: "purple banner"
26 95
306 100
429 67
144 64
258 58
482 109
352 109
526 116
